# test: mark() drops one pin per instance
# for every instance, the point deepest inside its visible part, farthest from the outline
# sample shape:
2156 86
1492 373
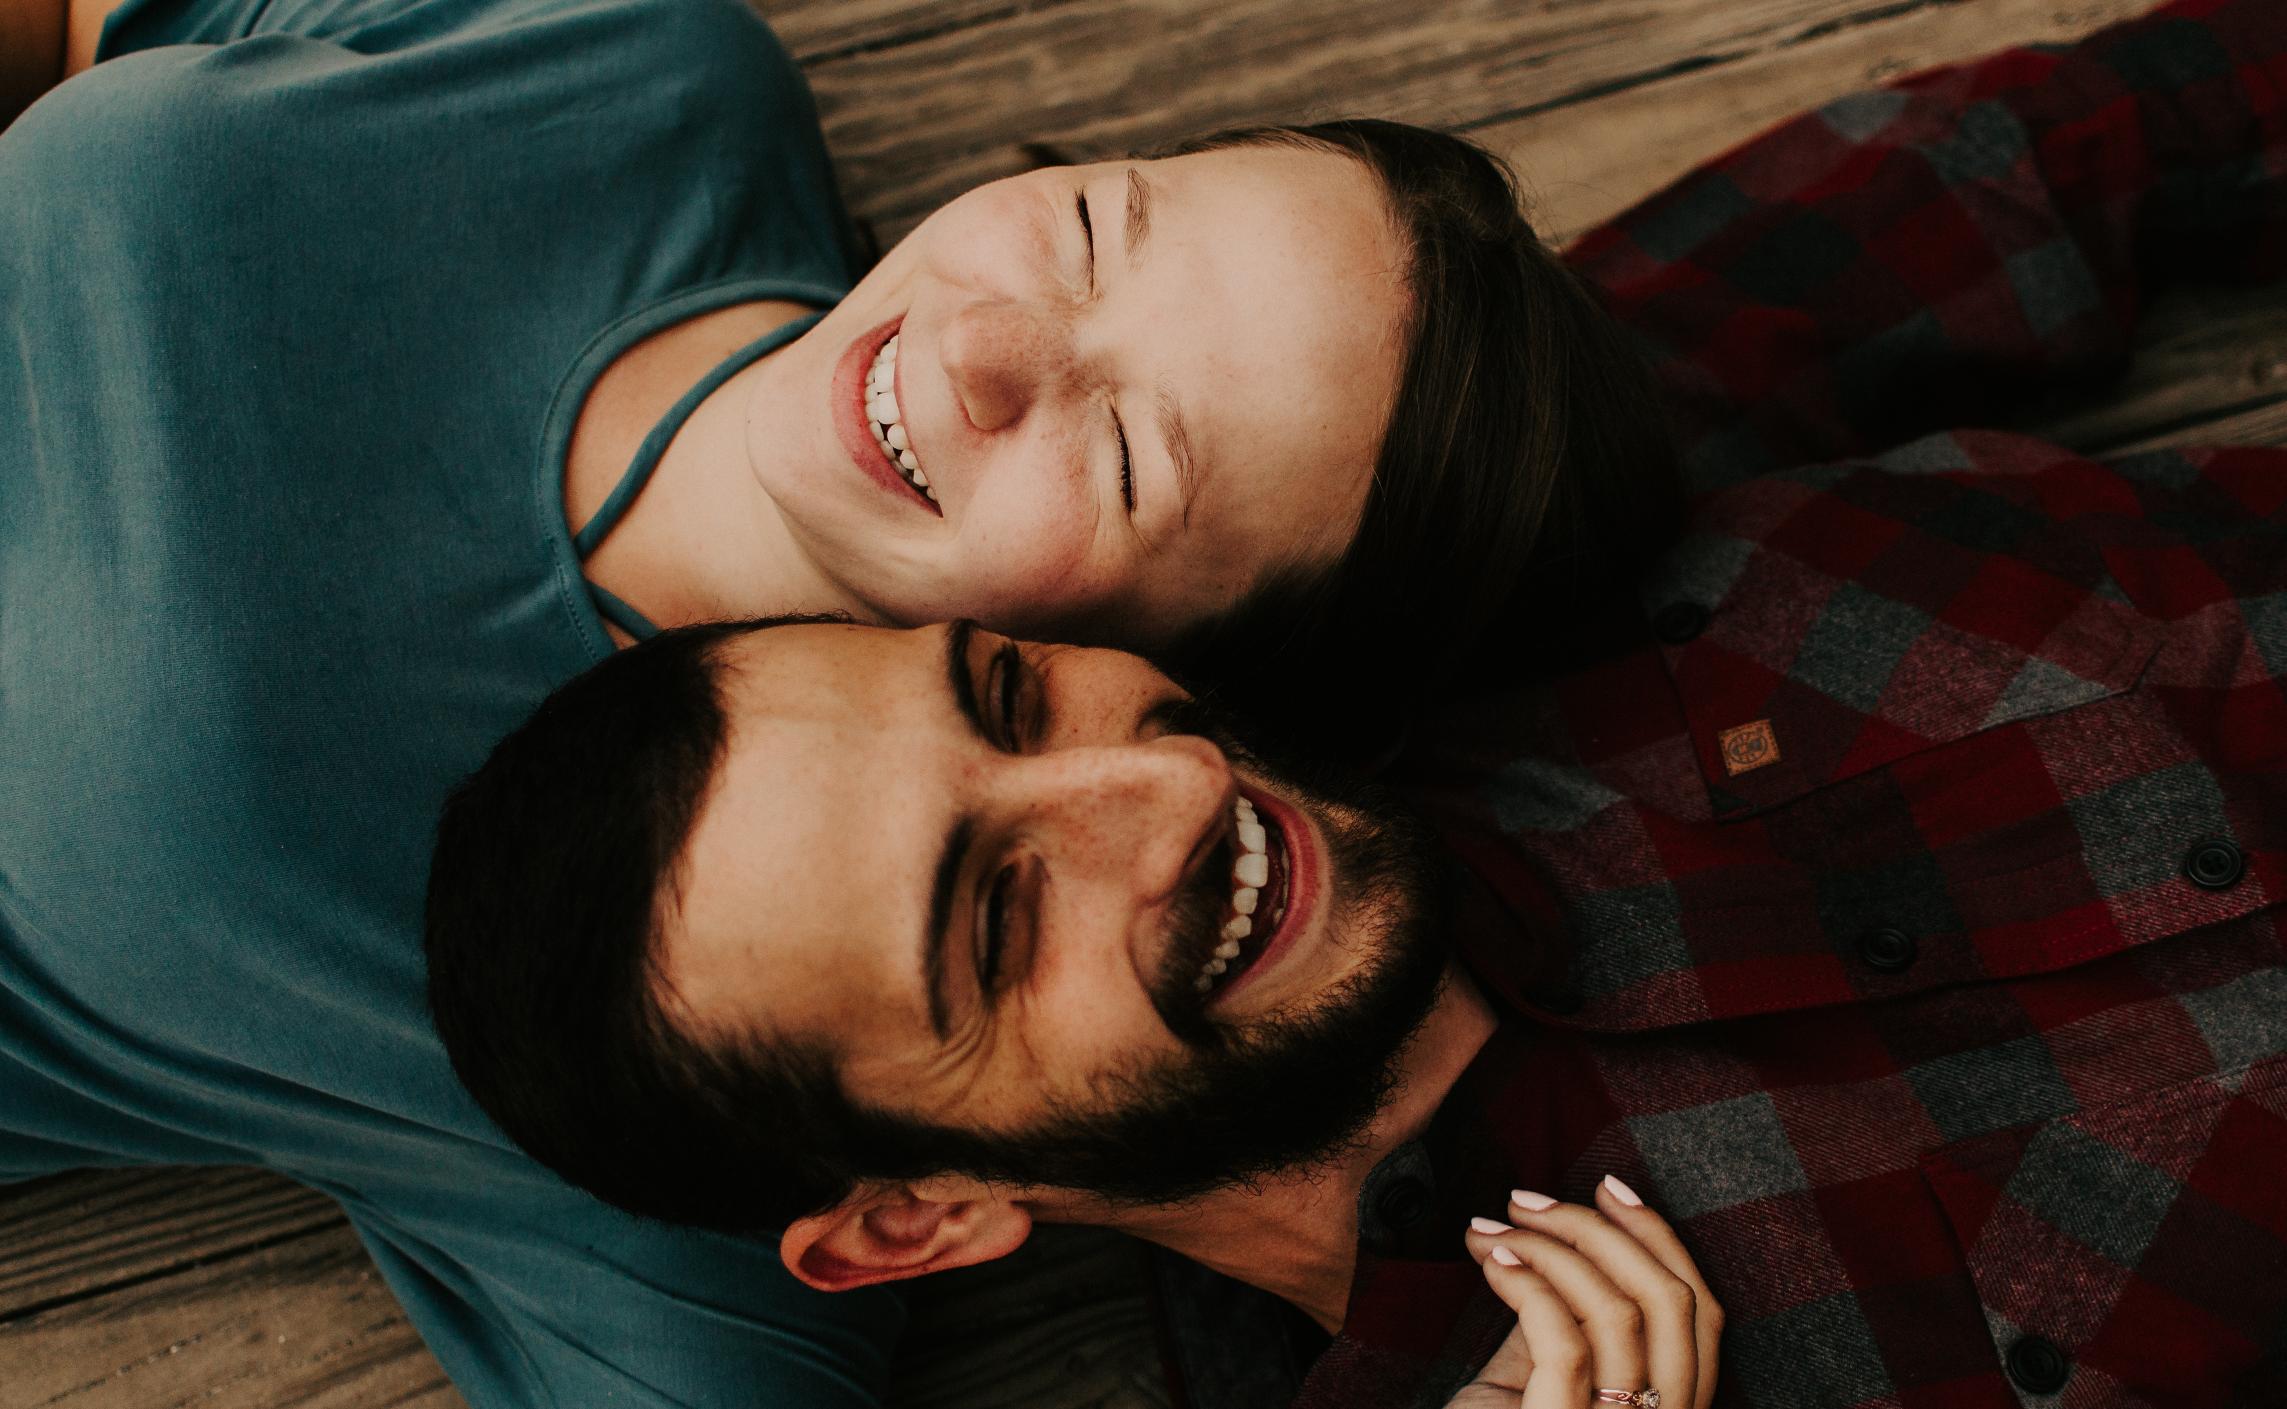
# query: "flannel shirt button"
1678 622
1403 1205
2038 1366
2215 864
1889 951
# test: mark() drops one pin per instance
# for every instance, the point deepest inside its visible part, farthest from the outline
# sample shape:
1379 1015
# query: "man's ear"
891 1232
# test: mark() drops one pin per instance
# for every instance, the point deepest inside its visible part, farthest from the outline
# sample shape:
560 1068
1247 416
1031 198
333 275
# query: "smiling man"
1034 904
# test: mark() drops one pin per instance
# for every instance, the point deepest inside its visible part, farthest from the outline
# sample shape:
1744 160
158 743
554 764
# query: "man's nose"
1126 816
1000 356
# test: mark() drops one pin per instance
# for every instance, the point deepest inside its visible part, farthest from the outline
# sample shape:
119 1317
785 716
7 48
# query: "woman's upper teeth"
888 425
1250 871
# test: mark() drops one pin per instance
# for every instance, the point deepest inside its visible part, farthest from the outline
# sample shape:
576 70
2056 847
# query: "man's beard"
1282 1093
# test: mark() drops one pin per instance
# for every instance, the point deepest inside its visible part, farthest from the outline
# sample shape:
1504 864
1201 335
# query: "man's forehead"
805 801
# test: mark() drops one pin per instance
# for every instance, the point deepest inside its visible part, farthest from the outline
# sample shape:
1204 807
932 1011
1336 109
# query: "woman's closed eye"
1119 431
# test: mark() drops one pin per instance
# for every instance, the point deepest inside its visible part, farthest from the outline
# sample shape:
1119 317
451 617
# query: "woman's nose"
1000 356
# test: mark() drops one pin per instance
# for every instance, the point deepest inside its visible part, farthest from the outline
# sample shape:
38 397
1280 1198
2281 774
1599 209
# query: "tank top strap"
647 456
614 609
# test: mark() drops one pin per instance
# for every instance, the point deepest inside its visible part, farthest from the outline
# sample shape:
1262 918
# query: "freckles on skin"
1038 568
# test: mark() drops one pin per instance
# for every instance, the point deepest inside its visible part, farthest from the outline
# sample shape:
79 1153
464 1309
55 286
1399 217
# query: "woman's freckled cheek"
1025 567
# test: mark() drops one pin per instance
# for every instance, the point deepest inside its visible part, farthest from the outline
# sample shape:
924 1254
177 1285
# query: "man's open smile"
1257 905
1266 859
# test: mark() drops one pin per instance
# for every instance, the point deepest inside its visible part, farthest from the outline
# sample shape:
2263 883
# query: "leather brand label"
1748 747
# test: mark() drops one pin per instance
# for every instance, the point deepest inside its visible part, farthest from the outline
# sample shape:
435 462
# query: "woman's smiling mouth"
867 412
884 416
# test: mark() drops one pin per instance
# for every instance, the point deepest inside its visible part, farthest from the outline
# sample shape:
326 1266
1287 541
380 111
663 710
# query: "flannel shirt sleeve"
1929 254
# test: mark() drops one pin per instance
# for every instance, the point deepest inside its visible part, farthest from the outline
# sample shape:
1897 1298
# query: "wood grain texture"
818 30
130 1287
2211 368
916 124
85 1233
305 1324
1582 164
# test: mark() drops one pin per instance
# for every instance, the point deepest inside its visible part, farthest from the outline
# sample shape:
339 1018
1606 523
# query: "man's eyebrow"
1178 442
948 871
1139 215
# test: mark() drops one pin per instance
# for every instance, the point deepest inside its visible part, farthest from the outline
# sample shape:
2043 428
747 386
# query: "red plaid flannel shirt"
1903 915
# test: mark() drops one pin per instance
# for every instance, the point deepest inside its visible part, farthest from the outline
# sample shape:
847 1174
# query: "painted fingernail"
1531 1202
1622 1192
1487 1225
1505 1257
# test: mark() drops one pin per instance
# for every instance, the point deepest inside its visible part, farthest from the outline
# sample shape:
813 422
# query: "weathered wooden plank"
913 125
306 1324
2265 424
73 1236
157 1309
2211 367
824 29
1584 163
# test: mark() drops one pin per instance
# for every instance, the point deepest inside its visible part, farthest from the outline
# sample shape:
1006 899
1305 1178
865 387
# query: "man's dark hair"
542 942
1526 473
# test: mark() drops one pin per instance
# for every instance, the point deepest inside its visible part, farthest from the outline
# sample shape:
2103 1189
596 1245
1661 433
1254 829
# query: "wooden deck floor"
232 1289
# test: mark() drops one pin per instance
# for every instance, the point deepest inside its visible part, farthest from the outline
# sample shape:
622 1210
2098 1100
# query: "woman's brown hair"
1526 475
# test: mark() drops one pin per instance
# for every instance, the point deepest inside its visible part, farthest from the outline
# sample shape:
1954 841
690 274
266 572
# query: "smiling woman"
1305 410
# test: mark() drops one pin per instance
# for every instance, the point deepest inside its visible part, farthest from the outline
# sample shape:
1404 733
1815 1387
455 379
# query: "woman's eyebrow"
1178 441
1139 215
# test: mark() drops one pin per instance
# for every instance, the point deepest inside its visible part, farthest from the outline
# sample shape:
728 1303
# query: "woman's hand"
1606 1299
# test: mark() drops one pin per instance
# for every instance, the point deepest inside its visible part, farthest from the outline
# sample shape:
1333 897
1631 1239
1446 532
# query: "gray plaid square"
2043 687
1719 1154
1534 795
1675 227
1702 569
1861 115
1985 145
1626 936
1992 1088
1821 1352
2267 624
1850 651
2053 285
1932 454
2092 1193
2243 1021
2134 832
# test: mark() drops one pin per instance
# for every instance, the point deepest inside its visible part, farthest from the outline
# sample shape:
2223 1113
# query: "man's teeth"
888 426
1249 873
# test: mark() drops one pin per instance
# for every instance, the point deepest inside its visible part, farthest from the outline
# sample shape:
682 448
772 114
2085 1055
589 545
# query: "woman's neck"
701 541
